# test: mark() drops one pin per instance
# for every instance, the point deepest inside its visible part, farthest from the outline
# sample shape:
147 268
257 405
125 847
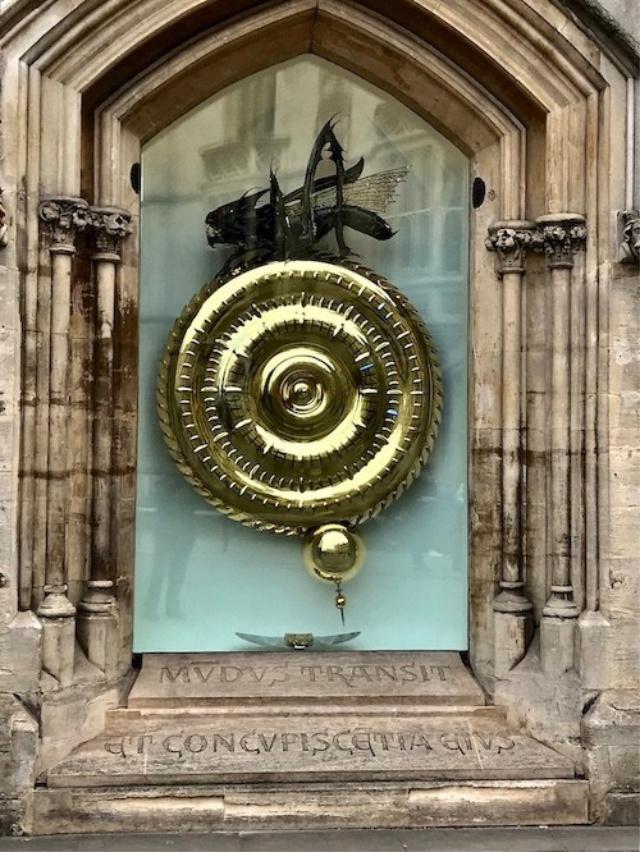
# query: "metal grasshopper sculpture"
289 226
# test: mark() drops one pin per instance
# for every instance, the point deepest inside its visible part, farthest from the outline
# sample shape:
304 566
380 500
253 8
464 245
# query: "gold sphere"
333 553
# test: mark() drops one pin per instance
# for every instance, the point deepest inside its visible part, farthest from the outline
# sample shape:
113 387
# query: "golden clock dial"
300 393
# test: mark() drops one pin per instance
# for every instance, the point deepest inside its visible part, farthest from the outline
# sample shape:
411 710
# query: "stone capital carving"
110 226
4 224
560 236
510 241
630 244
63 218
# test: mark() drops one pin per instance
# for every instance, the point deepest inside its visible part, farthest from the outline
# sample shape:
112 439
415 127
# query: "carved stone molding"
56 603
63 218
510 241
110 226
4 224
560 236
630 227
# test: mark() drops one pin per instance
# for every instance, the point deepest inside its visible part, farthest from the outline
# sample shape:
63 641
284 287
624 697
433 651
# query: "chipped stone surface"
611 736
72 716
621 809
20 651
310 806
171 680
18 751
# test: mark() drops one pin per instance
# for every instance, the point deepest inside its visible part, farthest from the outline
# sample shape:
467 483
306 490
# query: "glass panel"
200 577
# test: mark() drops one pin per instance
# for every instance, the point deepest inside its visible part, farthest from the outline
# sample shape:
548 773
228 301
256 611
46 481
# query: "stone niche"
541 100
411 729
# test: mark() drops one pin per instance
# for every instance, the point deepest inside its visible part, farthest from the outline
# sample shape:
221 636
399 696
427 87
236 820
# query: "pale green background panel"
200 577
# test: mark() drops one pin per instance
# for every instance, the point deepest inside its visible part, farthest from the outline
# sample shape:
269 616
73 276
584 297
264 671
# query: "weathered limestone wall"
18 749
626 14
611 645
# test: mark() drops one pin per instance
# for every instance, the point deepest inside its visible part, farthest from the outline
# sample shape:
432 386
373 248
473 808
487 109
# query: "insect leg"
280 224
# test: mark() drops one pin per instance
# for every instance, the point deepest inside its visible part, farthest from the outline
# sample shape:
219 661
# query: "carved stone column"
512 608
62 219
98 618
561 236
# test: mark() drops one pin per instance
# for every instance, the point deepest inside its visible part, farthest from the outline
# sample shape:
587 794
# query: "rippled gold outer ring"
299 393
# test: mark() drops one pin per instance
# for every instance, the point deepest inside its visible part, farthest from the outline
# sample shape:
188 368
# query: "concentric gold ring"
299 393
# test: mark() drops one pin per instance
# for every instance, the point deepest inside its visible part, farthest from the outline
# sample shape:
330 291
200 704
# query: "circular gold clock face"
300 393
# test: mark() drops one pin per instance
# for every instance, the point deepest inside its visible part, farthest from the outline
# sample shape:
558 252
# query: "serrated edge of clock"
173 445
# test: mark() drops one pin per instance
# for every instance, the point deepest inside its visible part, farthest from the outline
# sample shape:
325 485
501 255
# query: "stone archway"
543 124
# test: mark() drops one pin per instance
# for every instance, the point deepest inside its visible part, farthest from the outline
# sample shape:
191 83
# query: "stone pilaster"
98 616
560 237
512 608
62 219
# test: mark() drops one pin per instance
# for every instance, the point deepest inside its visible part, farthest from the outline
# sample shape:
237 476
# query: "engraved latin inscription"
350 741
271 675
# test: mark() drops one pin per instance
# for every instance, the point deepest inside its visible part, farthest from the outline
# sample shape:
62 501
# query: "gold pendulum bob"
301 398
334 554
